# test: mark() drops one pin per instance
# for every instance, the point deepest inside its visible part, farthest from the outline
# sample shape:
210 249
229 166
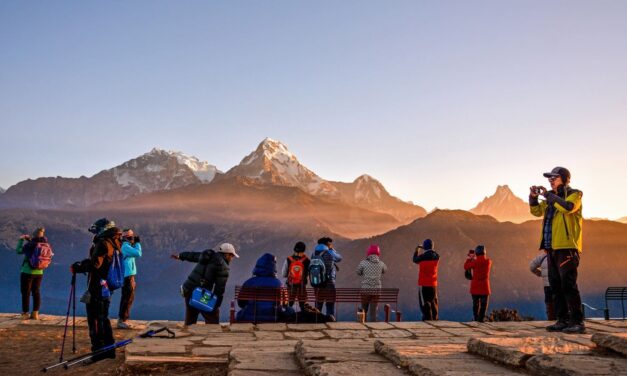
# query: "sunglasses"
553 178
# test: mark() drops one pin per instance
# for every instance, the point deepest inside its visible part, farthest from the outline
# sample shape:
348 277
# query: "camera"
537 189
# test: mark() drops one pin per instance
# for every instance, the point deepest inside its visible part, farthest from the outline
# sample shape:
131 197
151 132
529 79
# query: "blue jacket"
330 257
265 275
129 253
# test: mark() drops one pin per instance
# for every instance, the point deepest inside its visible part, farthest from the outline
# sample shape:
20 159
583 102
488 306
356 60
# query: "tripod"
72 302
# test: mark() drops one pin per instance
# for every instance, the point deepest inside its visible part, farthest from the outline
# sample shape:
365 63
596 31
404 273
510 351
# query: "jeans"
30 284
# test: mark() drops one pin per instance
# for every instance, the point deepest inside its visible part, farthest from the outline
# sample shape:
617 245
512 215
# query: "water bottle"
105 289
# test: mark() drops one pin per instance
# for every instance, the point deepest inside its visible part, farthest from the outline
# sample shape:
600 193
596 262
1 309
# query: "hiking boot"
123 325
575 329
34 315
557 327
24 316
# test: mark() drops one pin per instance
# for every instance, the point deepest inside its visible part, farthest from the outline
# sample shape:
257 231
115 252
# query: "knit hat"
559 171
300 247
480 250
427 244
373 250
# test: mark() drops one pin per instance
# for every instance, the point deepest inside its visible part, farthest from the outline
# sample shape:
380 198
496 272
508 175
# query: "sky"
439 100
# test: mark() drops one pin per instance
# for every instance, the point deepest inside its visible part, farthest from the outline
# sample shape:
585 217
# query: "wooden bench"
280 296
611 294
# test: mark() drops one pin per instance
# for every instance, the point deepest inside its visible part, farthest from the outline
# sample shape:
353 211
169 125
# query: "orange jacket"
428 261
480 265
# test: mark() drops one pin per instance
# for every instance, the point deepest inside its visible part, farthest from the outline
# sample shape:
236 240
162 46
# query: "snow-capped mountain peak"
203 170
272 162
368 189
2 190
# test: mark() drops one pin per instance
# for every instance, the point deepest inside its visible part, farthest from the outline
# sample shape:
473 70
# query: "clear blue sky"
439 100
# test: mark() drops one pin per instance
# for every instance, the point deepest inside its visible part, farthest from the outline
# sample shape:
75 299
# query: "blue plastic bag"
203 300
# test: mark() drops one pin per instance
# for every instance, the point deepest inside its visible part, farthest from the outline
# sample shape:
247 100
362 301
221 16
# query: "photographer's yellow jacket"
567 220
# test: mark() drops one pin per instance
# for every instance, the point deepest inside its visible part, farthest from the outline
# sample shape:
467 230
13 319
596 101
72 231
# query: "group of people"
477 270
560 246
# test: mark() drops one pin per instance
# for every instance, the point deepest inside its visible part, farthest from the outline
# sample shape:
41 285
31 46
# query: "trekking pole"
67 317
84 358
81 358
74 313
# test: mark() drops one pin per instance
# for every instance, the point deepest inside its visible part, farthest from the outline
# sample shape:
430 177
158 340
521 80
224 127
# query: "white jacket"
540 267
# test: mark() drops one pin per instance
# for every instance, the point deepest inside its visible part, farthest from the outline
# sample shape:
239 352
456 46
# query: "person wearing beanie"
428 261
561 237
106 242
370 270
480 265
296 271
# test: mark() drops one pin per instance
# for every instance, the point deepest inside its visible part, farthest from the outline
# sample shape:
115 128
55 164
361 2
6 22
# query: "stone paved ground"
349 348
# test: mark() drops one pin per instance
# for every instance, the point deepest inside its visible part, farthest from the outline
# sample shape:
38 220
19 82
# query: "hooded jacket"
129 253
371 270
480 283
264 275
567 222
330 258
99 261
211 272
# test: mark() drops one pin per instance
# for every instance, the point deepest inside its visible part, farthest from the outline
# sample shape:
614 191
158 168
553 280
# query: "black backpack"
468 274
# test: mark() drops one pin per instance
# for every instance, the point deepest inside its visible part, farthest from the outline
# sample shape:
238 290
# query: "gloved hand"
137 239
75 267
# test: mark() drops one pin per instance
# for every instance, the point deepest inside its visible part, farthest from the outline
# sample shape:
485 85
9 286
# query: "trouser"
428 298
191 313
563 264
370 304
548 302
128 296
297 292
326 295
30 284
479 307
100 331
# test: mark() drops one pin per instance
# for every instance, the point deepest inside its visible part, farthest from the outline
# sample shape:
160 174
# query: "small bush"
507 314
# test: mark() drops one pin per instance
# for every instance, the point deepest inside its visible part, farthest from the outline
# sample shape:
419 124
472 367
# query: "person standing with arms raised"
562 238
428 260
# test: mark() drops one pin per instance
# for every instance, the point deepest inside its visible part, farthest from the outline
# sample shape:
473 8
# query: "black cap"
559 171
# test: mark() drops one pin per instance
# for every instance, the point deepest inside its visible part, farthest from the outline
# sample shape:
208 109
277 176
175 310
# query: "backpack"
468 274
115 276
317 270
296 271
41 256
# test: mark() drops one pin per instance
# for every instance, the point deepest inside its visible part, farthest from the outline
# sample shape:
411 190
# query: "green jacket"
567 220
25 264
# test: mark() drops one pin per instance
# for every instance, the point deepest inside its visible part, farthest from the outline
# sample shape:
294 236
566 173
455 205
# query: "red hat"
373 250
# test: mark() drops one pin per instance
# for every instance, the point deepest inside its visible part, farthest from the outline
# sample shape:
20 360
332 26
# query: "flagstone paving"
351 348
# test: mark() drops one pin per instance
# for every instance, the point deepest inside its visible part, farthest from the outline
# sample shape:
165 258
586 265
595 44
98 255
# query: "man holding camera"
562 239
428 259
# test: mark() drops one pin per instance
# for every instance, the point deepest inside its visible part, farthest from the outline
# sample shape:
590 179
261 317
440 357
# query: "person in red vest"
480 265
428 260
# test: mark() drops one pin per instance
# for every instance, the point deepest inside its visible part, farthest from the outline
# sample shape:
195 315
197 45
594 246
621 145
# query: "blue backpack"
115 276
317 270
